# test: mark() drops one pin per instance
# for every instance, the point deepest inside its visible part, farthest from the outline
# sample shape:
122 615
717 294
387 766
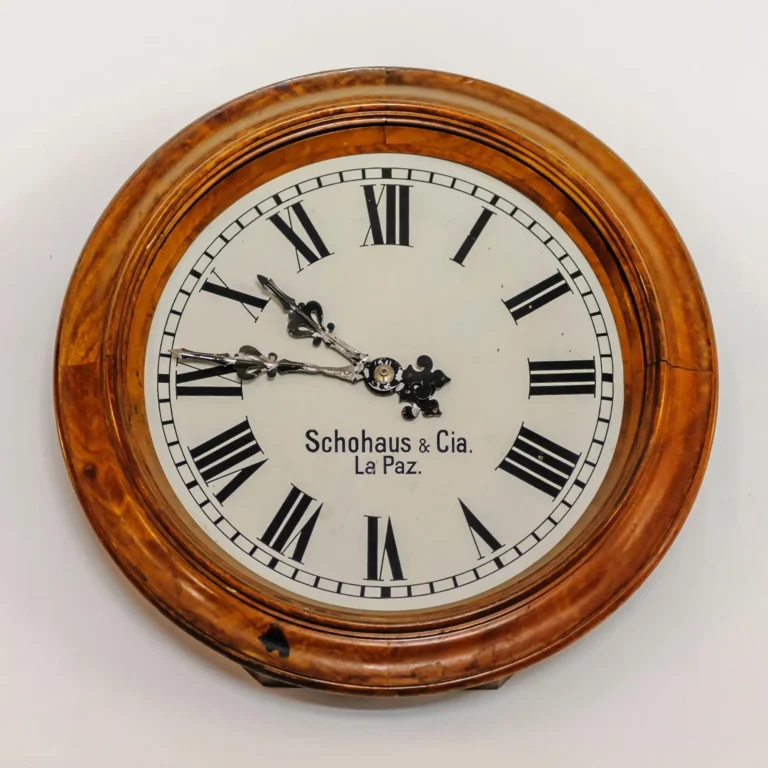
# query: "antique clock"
385 381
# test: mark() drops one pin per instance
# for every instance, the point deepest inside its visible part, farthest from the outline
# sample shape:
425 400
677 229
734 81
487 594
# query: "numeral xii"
396 226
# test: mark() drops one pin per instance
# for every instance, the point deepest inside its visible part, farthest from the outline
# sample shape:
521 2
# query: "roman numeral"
223 388
479 531
389 553
562 377
223 455
218 287
541 463
534 298
312 251
283 532
471 238
396 229
229 293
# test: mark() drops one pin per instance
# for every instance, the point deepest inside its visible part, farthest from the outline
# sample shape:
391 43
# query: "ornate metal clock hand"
305 321
249 363
382 375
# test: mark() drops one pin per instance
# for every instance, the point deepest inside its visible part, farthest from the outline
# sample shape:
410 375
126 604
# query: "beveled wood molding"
662 319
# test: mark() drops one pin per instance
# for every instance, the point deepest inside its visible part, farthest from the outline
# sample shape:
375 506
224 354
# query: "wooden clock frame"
661 314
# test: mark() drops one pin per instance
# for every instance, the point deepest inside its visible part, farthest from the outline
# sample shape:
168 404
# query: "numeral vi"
378 556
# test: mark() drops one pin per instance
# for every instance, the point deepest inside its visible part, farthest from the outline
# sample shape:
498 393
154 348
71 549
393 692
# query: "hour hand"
305 321
249 363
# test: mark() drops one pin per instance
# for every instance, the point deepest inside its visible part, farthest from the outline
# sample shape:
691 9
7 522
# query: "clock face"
469 305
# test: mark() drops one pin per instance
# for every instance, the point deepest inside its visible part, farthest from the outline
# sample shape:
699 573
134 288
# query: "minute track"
494 561
508 554
285 201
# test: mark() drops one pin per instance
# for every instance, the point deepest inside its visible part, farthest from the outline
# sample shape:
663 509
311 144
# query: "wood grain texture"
644 269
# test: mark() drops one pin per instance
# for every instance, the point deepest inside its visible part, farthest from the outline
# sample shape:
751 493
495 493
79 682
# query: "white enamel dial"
320 486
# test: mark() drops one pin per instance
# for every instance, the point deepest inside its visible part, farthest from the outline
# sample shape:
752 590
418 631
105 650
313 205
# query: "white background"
90 674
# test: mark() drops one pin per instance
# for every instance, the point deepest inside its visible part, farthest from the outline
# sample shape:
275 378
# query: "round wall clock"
385 381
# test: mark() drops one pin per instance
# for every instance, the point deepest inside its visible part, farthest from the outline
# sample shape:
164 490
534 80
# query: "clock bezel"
667 345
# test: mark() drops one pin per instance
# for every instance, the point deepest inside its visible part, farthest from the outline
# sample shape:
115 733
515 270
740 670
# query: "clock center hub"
384 373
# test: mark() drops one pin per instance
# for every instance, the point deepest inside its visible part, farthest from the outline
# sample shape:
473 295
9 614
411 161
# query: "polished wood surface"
661 314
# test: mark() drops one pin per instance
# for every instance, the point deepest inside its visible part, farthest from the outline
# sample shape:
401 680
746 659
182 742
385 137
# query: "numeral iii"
562 377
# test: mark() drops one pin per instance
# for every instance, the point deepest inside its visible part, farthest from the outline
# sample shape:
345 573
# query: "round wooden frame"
667 344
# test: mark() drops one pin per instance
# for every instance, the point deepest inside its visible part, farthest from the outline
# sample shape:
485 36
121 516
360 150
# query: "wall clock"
385 381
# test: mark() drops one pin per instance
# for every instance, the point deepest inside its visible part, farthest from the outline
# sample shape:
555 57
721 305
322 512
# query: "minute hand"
249 363
305 321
